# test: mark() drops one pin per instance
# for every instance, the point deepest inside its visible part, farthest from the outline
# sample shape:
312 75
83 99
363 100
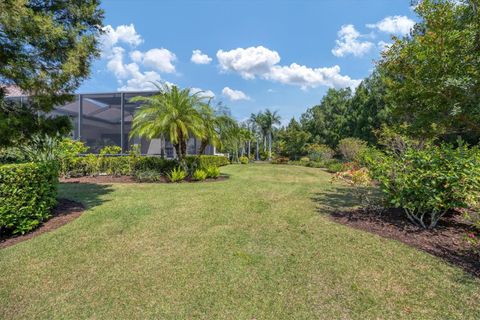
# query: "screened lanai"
105 119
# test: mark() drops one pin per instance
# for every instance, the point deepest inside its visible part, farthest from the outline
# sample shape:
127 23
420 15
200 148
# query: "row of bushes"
28 192
91 165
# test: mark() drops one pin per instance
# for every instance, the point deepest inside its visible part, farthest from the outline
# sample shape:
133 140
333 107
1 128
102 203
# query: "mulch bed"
127 179
446 241
65 211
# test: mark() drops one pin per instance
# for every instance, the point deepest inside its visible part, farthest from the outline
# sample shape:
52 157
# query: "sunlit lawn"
256 246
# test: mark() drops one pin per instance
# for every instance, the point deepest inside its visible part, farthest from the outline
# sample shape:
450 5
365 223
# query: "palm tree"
172 112
255 126
271 119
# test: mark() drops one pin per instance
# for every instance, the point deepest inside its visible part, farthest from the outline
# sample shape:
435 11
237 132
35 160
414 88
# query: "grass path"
256 246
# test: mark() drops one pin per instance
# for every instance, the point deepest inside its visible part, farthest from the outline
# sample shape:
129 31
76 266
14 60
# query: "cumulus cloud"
249 62
160 59
122 34
234 95
349 43
203 93
262 62
382 45
394 25
200 58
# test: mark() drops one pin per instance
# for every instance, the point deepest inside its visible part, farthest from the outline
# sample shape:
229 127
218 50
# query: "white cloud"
249 62
160 59
200 58
136 56
203 93
121 34
115 63
234 95
382 45
394 25
306 77
349 43
262 62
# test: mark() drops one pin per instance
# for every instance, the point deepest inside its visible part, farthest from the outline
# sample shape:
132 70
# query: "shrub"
205 161
212 172
177 174
319 152
243 160
199 175
349 148
154 163
148 176
28 192
362 183
334 166
280 160
305 159
428 183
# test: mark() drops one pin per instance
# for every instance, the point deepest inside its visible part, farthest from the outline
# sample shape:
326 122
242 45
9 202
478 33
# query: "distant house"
103 119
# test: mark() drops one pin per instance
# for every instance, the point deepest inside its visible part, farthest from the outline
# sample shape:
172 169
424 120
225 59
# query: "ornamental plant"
212 172
199 175
176 175
428 183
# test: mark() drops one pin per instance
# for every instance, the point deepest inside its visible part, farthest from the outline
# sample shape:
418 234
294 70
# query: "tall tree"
433 75
46 49
173 112
328 122
270 120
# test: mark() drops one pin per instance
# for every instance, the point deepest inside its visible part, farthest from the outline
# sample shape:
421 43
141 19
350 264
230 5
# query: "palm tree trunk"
203 146
256 150
269 146
264 143
249 146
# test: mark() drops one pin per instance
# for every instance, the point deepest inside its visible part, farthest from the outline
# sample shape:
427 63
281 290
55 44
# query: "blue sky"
251 55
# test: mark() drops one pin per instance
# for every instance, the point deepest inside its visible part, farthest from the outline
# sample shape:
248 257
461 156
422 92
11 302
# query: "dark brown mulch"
65 211
126 179
446 241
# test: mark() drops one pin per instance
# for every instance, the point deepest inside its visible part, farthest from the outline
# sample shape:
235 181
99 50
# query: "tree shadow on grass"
89 194
446 241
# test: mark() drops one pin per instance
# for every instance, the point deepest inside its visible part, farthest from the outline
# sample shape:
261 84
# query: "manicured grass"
256 246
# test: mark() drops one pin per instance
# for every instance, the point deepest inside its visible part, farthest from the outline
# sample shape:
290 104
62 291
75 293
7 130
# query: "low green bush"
428 183
28 192
243 160
177 174
212 172
280 160
199 175
148 176
319 152
205 161
349 148
334 166
305 159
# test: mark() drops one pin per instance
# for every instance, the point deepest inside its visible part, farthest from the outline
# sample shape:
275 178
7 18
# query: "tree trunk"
176 146
264 143
249 146
203 146
270 146
256 151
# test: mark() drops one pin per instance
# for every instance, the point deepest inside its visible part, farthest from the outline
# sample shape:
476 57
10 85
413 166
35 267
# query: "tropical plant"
176 175
199 175
148 176
243 160
212 172
172 112
349 148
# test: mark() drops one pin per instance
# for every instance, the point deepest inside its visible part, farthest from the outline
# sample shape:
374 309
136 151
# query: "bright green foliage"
291 141
205 161
174 113
199 175
177 174
148 176
243 160
213 172
433 76
28 193
46 48
428 183
349 148
328 121
334 166
319 152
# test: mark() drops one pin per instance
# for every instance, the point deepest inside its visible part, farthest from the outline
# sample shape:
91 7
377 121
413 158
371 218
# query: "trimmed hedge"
28 192
129 165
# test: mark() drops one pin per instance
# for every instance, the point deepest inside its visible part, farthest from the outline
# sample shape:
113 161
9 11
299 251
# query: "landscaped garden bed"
446 241
129 179
64 212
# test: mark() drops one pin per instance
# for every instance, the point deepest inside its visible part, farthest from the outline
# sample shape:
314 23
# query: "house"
104 119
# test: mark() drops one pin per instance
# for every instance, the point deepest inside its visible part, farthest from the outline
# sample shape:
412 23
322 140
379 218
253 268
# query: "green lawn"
256 246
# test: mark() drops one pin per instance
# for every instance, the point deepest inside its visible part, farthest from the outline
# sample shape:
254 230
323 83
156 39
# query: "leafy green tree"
328 122
268 120
173 112
293 139
46 49
433 75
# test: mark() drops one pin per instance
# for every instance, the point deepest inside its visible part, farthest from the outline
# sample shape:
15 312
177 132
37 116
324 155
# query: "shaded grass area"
253 246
